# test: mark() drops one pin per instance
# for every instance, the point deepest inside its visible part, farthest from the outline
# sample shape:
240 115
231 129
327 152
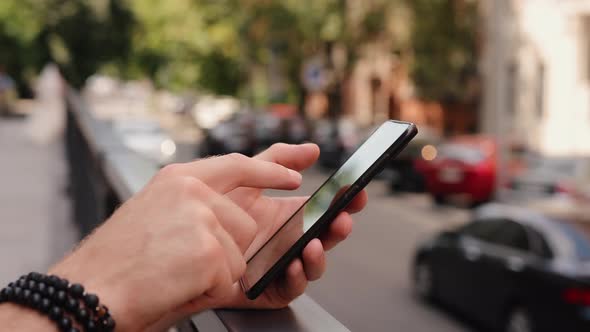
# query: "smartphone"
316 214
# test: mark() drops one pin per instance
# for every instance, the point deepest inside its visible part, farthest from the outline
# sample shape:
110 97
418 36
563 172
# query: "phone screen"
319 203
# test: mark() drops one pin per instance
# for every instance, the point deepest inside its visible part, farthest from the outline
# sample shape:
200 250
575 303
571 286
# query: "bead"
101 311
31 284
91 326
60 297
82 314
53 280
21 283
65 323
36 300
34 276
73 329
76 290
41 287
6 293
62 284
71 304
9 293
18 292
11 284
43 278
55 313
45 305
27 295
91 300
109 324
50 291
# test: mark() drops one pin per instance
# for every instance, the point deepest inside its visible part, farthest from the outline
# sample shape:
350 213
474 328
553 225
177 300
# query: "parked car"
236 134
147 138
512 269
464 165
272 128
268 129
546 177
404 175
337 140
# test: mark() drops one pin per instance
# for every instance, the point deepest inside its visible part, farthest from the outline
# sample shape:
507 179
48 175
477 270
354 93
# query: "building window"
585 48
540 90
511 87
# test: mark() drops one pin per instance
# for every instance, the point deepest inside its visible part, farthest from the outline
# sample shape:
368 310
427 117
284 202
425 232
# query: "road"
366 286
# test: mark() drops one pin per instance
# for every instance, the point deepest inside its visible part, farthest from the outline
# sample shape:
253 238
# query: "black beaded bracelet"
62 302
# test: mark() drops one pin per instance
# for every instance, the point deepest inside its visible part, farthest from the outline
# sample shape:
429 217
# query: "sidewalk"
35 228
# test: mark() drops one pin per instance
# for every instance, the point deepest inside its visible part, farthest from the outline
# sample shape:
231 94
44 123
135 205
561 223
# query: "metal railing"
104 173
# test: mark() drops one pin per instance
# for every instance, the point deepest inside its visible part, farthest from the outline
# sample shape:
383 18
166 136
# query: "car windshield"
461 152
579 234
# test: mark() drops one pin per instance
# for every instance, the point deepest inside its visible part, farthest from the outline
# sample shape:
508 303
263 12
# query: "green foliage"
176 43
79 35
443 42
235 47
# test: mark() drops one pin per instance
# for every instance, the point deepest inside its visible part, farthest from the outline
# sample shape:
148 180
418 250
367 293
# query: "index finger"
225 173
295 156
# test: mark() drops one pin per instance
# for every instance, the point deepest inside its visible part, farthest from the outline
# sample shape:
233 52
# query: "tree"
444 48
79 35
187 44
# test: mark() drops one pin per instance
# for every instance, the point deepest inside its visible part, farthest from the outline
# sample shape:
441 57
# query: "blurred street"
372 266
367 285
485 210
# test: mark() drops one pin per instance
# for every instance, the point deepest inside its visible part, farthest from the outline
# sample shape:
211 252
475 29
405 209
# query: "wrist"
114 299
17 318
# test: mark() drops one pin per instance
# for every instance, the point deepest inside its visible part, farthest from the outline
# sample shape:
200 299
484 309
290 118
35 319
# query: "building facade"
536 69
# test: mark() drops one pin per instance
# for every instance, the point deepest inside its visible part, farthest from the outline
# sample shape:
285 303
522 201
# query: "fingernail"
295 175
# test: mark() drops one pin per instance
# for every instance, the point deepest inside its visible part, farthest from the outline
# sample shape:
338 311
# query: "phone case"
322 224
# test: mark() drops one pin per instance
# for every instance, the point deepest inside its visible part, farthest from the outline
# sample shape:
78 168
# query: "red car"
465 166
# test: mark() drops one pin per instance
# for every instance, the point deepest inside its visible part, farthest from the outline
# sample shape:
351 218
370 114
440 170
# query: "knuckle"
237 157
170 170
250 230
278 146
206 217
211 251
189 187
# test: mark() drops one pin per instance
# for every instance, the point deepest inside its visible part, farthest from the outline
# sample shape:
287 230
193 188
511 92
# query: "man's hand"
179 239
181 244
270 213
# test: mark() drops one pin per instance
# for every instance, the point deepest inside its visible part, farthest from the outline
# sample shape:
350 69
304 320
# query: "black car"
511 269
271 128
236 134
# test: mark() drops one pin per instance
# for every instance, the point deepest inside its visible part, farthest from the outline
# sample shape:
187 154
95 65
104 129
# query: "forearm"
16 318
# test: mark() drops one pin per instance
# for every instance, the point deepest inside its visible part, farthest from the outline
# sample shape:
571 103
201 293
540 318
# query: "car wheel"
519 320
424 281
394 186
476 204
439 199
